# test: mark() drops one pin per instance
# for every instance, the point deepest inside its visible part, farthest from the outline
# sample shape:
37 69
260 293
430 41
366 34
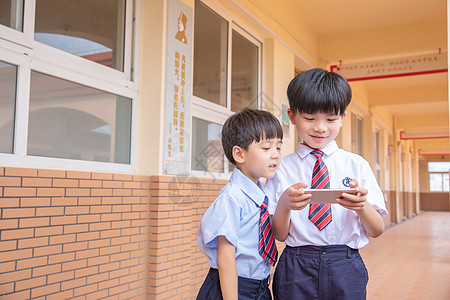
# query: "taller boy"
321 258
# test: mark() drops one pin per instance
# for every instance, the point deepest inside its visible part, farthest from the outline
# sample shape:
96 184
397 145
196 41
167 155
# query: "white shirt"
346 228
236 214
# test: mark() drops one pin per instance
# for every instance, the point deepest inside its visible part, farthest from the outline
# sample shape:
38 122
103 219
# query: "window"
63 124
244 77
11 14
357 134
91 29
207 152
66 83
210 55
226 79
8 75
439 176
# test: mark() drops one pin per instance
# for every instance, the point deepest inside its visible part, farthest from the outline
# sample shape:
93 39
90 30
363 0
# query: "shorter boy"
321 258
235 230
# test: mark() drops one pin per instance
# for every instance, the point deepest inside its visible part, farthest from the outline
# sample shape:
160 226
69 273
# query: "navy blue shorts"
320 272
248 289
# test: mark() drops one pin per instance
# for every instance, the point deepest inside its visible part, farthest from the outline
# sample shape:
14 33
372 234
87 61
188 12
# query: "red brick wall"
73 234
177 205
87 235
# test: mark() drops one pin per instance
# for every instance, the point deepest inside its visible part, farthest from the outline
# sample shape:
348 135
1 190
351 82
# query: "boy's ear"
238 154
291 116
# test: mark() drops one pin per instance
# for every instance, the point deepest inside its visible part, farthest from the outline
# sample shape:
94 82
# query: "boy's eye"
266 148
331 120
309 119
279 148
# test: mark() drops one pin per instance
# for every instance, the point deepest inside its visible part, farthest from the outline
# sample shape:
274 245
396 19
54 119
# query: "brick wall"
71 234
87 235
178 268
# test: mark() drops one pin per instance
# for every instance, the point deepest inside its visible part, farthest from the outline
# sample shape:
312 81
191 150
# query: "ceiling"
330 18
356 15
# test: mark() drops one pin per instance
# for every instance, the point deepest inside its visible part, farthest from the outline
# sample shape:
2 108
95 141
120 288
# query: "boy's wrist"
361 212
283 209
285 204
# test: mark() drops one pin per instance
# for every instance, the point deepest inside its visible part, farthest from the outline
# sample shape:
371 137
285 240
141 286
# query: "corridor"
411 260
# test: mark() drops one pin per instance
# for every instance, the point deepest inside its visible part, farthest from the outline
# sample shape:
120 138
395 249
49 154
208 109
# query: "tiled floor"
411 260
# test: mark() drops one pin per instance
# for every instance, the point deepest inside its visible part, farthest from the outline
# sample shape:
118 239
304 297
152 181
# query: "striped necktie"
267 247
320 214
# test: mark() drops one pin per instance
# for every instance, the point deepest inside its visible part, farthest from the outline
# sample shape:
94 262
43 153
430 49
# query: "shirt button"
323 252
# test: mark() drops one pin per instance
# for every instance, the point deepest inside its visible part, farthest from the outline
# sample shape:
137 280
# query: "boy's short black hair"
318 90
246 126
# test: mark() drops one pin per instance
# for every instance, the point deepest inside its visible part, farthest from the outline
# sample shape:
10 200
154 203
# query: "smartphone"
323 196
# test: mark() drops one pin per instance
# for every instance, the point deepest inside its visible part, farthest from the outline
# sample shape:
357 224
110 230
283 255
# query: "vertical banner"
177 117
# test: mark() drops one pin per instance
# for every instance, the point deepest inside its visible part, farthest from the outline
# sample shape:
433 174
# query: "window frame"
20 49
442 173
216 113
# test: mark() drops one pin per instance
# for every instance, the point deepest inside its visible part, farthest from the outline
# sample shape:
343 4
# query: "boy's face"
260 160
318 129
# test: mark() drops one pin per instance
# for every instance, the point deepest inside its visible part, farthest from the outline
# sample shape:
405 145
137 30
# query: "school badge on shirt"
346 181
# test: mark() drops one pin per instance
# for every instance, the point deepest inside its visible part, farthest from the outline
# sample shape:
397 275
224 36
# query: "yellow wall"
151 99
283 22
279 71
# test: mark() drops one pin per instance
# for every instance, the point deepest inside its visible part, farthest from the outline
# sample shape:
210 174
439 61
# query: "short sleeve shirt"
346 228
235 214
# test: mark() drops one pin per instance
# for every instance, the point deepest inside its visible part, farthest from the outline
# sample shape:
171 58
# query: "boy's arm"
370 218
293 198
226 262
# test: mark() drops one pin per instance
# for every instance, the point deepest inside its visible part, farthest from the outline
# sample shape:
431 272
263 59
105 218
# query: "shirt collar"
329 148
256 192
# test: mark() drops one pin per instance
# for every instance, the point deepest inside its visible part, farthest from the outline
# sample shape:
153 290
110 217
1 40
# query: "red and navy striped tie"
267 247
320 214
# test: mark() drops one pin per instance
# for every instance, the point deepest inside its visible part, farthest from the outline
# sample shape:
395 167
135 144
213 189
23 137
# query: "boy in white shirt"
321 258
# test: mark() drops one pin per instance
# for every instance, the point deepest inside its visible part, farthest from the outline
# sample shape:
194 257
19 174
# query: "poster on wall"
177 115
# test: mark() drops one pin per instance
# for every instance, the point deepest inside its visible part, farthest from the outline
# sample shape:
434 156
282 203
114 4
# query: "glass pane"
90 29
11 14
210 55
207 152
68 120
435 182
244 73
446 181
8 75
439 166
